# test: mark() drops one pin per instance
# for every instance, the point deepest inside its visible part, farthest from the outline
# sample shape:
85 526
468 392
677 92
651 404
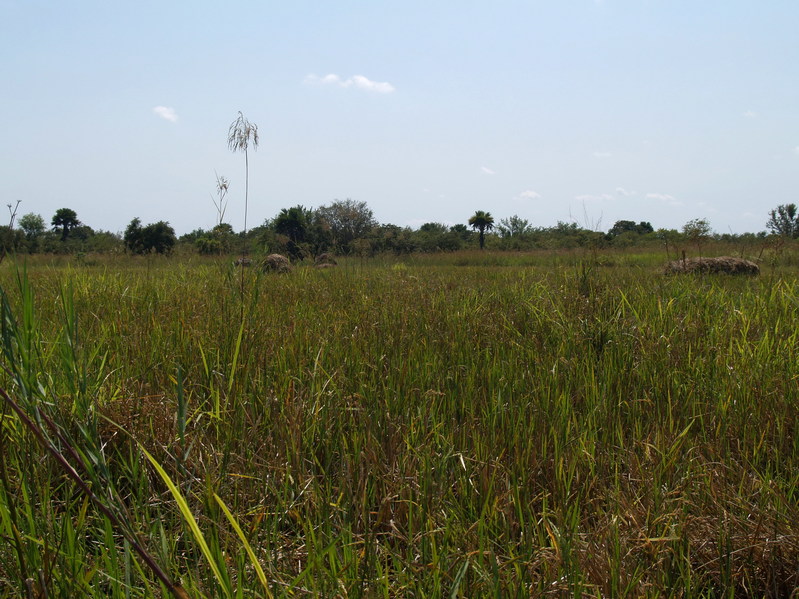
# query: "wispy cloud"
166 113
624 192
602 154
665 198
528 194
357 81
487 171
796 150
749 114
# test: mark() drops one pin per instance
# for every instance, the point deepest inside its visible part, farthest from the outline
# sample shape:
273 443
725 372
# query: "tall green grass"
403 428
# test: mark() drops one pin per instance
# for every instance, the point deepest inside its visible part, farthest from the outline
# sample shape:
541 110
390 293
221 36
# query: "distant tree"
319 235
784 221
224 229
157 237
482 222
515 226
65 219
566 229
394 239
81 232
625 240
11 240
347 221
435 228
629 226
240 134
621 226
697 231
192 235
670 238
292 227
567 235
218 240
208 246
103 242
293 223
133 237
32 225
644 228
462 231
363 247
436 237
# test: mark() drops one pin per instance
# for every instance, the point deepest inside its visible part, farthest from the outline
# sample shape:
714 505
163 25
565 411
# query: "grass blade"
223 580
246 543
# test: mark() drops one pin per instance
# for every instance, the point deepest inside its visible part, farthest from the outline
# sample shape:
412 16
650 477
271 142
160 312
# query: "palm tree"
238 140
65 219
482 221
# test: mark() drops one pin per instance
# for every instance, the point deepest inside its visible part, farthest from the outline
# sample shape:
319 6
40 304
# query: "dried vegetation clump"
325 261
276 263
721 265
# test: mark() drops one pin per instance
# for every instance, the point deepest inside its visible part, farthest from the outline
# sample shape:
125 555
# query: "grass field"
473 425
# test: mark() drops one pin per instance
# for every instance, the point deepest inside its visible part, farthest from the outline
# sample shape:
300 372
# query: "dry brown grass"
721 265
276 263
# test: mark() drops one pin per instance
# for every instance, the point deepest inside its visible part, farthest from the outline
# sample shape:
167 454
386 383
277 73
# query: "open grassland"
480 425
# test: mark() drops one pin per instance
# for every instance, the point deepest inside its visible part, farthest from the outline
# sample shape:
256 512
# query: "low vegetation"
466 425
349 228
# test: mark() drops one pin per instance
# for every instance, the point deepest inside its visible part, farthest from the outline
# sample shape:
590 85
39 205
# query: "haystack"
276 263
325 260
721 265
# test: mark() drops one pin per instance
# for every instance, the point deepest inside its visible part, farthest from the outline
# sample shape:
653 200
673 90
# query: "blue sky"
572 110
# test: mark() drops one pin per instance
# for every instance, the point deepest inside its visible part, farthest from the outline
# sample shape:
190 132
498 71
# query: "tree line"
348 227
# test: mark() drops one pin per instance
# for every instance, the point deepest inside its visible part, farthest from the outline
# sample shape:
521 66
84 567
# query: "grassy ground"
498 425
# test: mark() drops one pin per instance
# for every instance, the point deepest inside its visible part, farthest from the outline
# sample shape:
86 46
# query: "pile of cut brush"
723 264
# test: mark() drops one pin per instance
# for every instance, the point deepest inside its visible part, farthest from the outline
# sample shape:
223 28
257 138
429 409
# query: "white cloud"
381 87
602 154
327 79
796 150
166 113
593 198
528 194
359 81
487 171
749 114
624 192
665 198
332 78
